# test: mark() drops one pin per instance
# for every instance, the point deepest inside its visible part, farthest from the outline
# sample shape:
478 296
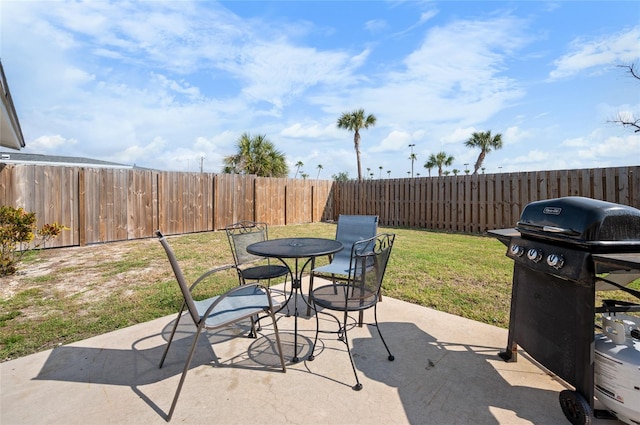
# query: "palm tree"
319 167
380 175
485 142
298 165
256 155
430 164
412 157
354 121
438 160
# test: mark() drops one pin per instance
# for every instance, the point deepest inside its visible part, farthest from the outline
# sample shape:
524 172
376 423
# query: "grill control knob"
517 250
555 261
534 255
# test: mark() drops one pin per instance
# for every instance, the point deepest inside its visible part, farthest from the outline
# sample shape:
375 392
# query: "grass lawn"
68 294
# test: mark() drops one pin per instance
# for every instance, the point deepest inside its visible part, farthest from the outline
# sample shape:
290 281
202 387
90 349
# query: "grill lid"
583 221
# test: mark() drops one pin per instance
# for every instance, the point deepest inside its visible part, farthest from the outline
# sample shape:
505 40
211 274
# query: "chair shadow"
446 382
138 366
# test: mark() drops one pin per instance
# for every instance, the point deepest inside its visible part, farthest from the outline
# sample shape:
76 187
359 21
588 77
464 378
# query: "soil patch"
82 271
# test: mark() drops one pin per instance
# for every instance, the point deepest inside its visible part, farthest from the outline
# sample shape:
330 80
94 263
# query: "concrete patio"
446 371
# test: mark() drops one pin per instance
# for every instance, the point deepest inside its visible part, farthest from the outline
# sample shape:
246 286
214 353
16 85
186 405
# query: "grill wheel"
575 407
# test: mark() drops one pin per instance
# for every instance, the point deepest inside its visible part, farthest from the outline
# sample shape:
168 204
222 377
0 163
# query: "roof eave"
10 131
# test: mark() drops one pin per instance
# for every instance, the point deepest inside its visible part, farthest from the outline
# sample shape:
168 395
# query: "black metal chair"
250 267
350 229
238 304
359 292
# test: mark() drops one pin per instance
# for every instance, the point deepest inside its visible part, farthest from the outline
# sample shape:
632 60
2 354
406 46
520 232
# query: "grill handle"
553 229
546 229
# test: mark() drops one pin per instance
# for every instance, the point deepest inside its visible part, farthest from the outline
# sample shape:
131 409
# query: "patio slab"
446 371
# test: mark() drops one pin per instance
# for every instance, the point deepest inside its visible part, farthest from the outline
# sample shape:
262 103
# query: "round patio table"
295 248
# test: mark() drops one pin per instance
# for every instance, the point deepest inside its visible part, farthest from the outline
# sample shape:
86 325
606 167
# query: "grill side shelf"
504 235
628 261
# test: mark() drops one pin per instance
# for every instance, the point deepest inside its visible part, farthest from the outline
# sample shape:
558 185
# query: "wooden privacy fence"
104 205
477 203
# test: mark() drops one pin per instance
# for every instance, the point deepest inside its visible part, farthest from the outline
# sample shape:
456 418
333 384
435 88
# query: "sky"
172 85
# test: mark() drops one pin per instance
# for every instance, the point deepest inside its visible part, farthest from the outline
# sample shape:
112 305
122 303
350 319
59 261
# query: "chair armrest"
209 273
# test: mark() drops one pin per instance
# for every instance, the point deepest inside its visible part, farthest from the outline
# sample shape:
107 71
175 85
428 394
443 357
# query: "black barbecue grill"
562 250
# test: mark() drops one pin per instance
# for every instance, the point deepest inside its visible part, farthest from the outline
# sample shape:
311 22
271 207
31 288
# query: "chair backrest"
243 234
354 228
369 259
177 271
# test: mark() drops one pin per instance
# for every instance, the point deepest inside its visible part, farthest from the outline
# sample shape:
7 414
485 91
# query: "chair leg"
375 315
310 288
286 280
275 329
358 385
184 373
252 332
173 332
315 341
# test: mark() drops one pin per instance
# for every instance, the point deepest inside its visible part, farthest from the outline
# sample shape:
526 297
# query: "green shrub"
17 230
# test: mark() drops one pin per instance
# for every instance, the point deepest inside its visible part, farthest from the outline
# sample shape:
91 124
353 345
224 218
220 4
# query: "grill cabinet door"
552 319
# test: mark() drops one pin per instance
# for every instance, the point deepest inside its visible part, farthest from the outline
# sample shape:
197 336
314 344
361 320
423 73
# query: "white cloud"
312 130
608 50
576 142
424 17
135 152
50 144
77 76
532 157
193 93
395 141
611 147
376 25
276 72
459 135
514 135
455 75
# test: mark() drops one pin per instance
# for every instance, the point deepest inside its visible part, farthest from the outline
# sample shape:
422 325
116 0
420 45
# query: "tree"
438 160
412 157
342 176
319 167
628 119
256 155
355 121
298 165
380 174
486 142
430 164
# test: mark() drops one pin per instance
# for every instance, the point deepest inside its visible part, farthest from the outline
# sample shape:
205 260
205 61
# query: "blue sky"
164 84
